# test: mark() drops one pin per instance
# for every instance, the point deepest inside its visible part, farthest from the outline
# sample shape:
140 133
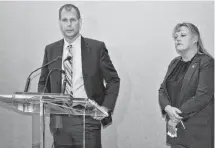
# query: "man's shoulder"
54 44
91 41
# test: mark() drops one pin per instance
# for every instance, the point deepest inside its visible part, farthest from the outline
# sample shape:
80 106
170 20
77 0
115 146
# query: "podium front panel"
74 115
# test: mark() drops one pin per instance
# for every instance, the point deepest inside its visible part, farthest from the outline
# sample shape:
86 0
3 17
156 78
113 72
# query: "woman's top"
175 80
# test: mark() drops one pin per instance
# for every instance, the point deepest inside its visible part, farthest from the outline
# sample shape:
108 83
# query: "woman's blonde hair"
195 31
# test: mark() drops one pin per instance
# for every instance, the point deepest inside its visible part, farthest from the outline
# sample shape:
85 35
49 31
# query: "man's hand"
173 113
98 117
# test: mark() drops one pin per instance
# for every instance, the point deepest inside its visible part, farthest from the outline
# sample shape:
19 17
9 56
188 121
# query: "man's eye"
72 20
63 20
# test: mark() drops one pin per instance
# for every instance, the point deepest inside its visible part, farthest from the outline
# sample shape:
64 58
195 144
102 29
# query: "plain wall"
138 37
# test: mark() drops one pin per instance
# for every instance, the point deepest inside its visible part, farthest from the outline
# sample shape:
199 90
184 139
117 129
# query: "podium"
44 104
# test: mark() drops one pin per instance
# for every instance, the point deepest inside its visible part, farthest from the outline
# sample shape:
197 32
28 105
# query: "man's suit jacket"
196 102
96 67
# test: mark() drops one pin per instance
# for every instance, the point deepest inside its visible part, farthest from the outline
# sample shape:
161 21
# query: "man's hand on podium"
99 117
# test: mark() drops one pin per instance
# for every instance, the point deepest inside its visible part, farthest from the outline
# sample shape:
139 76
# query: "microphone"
67 58
55 69
65 80
57 118
29 77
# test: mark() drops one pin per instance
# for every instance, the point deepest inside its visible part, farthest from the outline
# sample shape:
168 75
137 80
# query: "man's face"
184 39
70 24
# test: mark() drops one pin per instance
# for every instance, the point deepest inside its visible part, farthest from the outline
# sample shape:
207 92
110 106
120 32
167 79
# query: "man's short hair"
69 7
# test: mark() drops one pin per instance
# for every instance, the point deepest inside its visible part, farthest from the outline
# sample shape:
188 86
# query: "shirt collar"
75 43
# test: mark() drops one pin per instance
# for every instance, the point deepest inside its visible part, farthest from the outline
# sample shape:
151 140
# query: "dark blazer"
196 103
96 67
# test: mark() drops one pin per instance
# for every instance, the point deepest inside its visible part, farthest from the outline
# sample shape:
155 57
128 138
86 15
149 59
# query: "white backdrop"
138 37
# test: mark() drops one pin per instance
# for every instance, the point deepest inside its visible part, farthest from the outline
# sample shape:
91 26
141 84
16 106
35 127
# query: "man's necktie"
68 71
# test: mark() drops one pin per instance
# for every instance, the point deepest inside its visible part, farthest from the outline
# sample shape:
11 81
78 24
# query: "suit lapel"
187 77
85 57
171 68
58 51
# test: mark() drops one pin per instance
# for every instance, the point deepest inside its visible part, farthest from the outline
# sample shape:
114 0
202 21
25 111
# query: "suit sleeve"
111 77
163 98
205 90
43 76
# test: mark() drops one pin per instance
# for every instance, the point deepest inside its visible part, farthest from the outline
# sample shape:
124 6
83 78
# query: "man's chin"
70 35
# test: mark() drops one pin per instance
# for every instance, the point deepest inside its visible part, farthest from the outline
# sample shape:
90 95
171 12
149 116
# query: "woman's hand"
173 113
171 125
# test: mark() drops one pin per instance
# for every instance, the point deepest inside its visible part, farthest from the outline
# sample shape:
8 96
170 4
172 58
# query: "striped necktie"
68 71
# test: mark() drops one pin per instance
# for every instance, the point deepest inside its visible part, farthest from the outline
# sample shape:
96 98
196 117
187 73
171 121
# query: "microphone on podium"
29 77
50 72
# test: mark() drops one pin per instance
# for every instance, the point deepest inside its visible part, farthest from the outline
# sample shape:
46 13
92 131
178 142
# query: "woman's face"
184 39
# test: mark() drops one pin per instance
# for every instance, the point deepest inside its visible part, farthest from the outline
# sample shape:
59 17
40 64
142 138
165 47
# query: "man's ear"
80 23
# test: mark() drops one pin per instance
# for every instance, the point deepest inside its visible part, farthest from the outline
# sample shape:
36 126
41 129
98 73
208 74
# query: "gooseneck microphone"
67 59
50 72
29 77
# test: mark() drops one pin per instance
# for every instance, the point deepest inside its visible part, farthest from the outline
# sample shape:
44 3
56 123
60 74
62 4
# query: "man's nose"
69 23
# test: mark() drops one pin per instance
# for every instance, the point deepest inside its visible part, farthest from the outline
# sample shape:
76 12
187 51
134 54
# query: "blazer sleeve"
163 98
43 76
205 89
111 77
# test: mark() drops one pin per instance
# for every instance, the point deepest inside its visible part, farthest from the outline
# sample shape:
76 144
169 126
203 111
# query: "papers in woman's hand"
171 127
172 133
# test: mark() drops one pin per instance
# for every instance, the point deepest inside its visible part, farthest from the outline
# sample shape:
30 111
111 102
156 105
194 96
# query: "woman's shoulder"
175 59
206 59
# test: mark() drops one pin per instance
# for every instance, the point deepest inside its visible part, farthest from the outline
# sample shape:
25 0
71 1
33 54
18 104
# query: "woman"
186 95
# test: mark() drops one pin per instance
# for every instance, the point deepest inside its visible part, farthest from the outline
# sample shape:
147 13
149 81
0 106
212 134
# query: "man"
91 65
